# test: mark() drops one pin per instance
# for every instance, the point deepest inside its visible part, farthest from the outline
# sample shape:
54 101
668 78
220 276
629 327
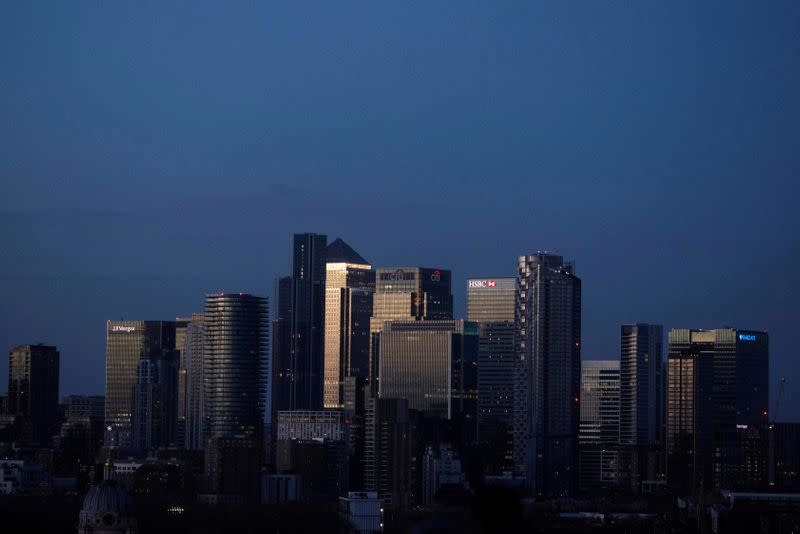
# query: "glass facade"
406 294
349 289
432 364
127 342
599 425
642 403
235 365
306 347
717 385
491 302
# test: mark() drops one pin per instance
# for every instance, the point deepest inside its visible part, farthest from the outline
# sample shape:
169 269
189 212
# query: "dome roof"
108 497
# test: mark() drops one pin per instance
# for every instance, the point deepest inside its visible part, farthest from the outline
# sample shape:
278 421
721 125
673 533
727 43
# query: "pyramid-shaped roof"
341 252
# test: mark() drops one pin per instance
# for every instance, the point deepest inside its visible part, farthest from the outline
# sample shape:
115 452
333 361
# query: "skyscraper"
432 364
390 454
406 294
547 396
599 426
145 406
492 303
193 357
181 324
235 365
306 348
642 402
128 342
717 384
282 367
33 372
349 287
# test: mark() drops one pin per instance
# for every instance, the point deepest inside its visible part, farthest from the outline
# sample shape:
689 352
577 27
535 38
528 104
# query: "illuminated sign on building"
747 337
482 283
121 328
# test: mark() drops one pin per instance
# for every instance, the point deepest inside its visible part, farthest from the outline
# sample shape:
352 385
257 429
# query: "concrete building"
547 396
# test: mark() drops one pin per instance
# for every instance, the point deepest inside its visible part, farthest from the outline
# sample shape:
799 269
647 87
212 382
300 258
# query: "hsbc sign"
482 283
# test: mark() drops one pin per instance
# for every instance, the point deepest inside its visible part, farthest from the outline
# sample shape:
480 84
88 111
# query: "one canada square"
547 396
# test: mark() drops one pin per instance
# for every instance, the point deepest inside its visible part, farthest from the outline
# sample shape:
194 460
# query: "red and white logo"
491 283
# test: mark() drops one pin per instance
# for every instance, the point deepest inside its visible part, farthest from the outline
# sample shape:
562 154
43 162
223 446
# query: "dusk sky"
152 152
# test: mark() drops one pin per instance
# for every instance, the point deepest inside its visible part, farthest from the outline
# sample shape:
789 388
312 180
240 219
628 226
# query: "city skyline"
482 133
788 410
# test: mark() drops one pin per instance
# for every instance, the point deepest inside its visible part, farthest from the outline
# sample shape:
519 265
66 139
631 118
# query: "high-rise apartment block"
547 396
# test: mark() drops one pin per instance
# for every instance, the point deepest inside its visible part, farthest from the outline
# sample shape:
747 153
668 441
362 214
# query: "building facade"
128 342
349 287
717 387
306 344
235 366
600 424
192 354
491 303
642 403
547 395
33 373
432 364
406 294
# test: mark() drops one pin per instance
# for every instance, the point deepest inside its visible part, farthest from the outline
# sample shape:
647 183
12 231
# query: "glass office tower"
128 342
491 303
599 427
235 365
349 287
642 403
717 386
547 396
432 364
306 346
406 294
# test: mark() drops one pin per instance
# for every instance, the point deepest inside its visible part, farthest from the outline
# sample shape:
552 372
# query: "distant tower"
406 294
33 390
717 402
128 342
235 365
491 302
547 397
193 357
599 426
349 287
308 321
642 402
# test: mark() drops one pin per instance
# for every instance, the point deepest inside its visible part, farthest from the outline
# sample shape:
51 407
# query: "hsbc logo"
482 283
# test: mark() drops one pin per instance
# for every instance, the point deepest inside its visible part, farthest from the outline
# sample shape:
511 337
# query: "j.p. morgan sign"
482 283
122 328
